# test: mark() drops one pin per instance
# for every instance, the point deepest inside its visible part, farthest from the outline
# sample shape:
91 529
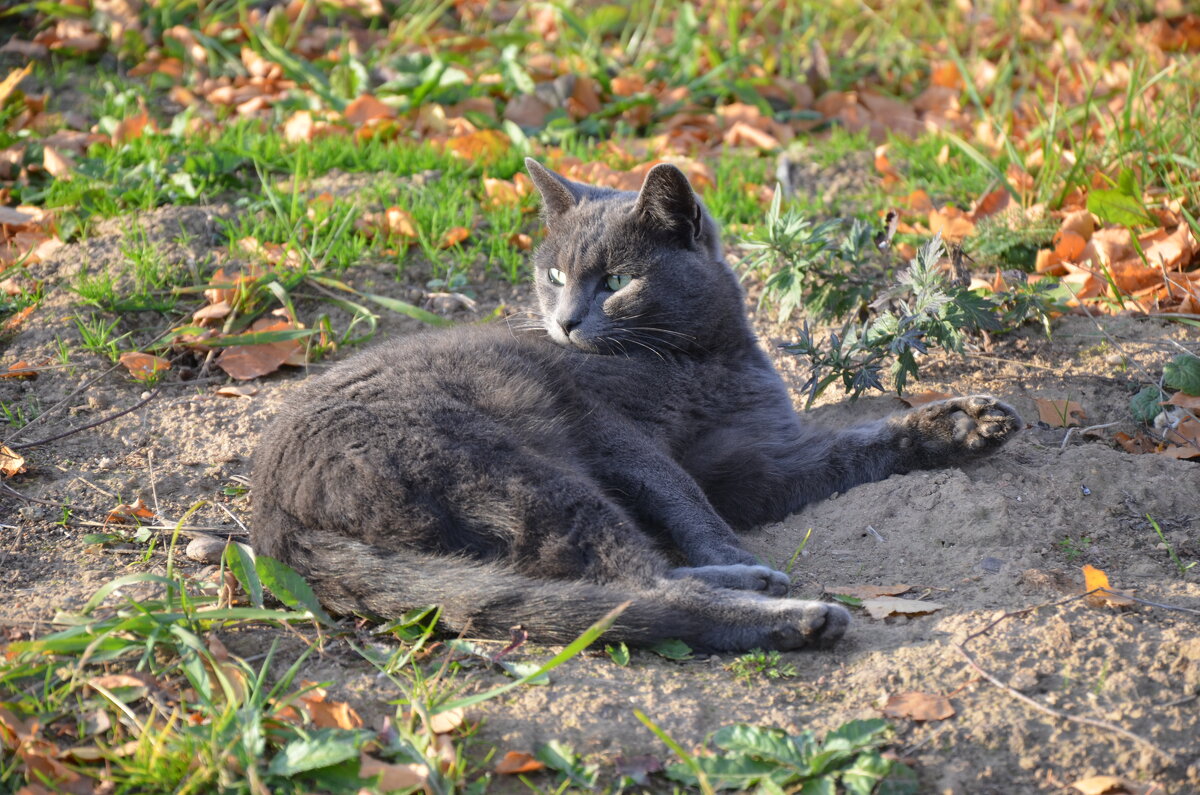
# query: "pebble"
205 549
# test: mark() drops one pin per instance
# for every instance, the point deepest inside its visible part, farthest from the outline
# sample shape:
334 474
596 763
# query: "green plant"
773 761
1183 568
97 336
1074 548
759 663
811 265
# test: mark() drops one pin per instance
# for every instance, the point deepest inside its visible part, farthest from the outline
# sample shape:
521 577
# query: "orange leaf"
918 201
366 108
516 762
447 721
21 370
1137 445
946 75
17 319
1068 245
918 706
10 462
951 222
143 366
1187 436
454 235
521 241
124 512
501 192
1060 413
481 147
991 203
130 128
1094 578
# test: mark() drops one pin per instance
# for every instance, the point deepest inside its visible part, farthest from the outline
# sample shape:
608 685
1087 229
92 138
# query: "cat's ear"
559 194
667 201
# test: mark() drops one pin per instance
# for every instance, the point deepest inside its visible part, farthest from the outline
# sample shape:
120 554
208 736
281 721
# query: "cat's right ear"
559 194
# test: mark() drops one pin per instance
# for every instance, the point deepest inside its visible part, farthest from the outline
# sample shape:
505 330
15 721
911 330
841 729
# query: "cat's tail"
485 599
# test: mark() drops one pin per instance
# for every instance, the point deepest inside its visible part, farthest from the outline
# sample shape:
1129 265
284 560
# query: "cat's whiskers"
652 349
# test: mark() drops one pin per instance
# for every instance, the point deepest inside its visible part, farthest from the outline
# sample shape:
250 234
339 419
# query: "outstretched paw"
958 429
759 579
808 624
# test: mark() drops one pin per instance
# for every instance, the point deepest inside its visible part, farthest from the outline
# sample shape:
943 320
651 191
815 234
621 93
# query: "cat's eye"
557 277
615 281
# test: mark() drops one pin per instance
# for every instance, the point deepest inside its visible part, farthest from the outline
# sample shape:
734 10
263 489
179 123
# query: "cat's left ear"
667 201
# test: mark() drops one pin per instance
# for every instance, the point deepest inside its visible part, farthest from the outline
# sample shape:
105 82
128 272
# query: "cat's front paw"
958 429
738 577
808 624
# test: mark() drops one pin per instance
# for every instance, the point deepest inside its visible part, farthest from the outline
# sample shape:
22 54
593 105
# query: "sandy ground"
1002 535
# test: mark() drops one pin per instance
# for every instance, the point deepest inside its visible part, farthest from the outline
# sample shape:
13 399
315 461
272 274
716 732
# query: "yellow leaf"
1094 578
10 462
1060 413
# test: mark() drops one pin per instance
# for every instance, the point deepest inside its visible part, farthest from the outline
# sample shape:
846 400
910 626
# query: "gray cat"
543 476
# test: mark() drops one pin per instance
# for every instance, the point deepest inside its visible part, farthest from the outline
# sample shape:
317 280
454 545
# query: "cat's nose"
569 324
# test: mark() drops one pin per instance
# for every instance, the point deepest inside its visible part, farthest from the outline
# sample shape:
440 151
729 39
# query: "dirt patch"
1000 535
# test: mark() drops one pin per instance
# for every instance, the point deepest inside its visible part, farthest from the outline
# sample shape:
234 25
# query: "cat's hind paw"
808 624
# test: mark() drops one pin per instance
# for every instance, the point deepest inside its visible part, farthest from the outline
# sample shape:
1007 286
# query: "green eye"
615 281
557 277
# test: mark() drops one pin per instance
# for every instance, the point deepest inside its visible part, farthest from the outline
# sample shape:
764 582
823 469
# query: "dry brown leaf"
212 311
521 241
1137 445
393 776
526 110
921 398
10 462
1103 785
918 706
17 319
114 681
454 235
244 362
442 722
867 591
1186 440
237 391
367 108
918 201
330 714
884 606
130 128
952 223
1060 413
126 512
991 203
1068 245
516 762
501 192
1079 222
143 366
56 163
12 217
1094 578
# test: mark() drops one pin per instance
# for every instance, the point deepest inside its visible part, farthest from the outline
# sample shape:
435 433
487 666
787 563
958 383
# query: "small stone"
205 549
991 565
1115 359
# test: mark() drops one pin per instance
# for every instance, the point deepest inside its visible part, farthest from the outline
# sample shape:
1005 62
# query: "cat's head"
633 273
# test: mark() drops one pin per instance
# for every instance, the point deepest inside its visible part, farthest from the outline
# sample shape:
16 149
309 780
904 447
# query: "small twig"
89 425
1099 724
1180 701
87 482
1089 429
1141 601
153 486
229 513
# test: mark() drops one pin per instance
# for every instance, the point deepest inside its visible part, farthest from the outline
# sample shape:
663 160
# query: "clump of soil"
998 536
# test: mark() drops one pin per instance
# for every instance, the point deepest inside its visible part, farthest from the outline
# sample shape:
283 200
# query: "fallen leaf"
521 241
884 606
454 235
1101 785
125 512
482 147
1137 445
13 217
918 706
130 128
330 714
10 83
1094 578
1060 413
867 591
367 108
244 362
10 463
19 370
393 776
17 319
449 720
115 681
143 366
921 398
516 762
56 163
238 391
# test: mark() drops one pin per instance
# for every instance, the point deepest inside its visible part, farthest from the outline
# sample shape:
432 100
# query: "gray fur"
543 476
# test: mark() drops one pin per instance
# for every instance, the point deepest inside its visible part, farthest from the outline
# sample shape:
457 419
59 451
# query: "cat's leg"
738 577
751 478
